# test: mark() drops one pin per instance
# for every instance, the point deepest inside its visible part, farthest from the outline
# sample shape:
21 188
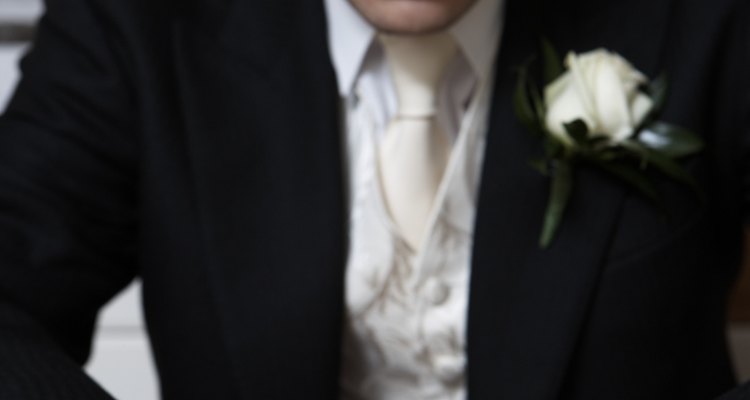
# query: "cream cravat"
414 151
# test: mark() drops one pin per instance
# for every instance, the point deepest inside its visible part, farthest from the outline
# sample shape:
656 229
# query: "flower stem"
560 189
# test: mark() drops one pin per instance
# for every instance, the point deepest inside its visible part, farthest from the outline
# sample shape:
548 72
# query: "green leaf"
560 188
522 103
541 165
538 103
638 150
672 169
658 89
552 62
670 140
553 148
660 161
634 178
579 131
665 165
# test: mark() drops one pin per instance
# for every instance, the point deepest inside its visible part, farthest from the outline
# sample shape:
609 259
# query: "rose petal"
564 108
611 102
600 88
553 91
640 107
579 68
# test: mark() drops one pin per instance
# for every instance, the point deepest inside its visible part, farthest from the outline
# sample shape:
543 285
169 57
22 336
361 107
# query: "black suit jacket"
196 144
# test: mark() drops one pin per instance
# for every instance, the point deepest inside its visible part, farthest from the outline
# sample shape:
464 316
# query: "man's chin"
411 17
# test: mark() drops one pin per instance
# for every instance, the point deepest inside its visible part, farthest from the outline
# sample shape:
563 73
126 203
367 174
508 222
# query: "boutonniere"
597 109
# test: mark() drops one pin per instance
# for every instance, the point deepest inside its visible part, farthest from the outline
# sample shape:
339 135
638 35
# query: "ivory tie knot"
417 65
414 152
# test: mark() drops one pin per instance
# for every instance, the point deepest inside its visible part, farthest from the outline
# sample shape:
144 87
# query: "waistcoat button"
449 368
437 292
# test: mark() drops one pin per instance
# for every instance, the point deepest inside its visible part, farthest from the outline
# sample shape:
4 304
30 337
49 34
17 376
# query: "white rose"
600 88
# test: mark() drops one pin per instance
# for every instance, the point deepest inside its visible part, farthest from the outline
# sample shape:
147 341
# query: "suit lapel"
263 137
528 305
260 105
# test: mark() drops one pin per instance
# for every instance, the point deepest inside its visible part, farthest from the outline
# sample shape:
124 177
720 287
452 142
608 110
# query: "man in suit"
198 146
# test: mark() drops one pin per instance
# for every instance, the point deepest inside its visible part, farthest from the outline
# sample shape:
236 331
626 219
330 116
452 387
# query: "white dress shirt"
404 334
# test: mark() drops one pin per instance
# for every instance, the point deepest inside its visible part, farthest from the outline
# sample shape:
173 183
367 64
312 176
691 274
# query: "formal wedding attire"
202 147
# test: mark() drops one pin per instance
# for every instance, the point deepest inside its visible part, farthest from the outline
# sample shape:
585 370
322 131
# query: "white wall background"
19 10
121 361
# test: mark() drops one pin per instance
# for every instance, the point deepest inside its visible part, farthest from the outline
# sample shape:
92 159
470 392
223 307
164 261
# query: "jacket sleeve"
67 202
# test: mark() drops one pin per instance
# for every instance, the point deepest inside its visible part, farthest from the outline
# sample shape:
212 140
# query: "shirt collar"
349 37
478 35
